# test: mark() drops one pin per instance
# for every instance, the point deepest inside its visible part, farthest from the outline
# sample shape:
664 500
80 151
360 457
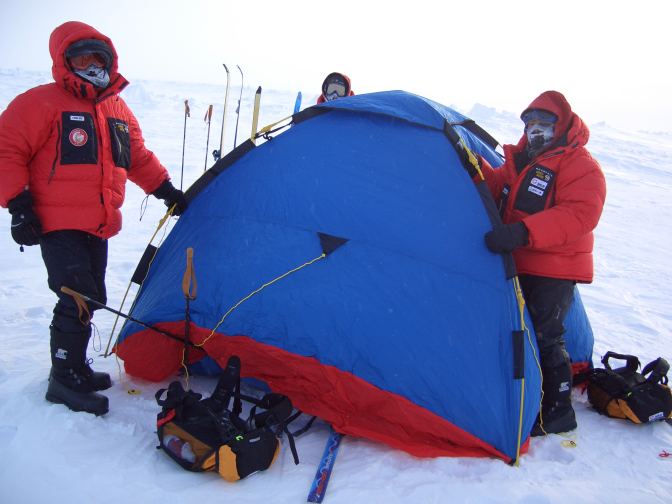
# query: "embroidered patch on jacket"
78 137
535 188
540 180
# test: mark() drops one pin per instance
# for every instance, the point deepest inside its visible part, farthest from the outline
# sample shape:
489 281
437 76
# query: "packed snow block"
343 261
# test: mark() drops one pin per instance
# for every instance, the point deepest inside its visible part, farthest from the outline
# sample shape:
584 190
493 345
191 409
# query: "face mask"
332 96
95 75
539 135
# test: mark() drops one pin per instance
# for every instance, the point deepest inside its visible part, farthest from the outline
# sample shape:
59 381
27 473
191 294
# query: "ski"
255 113
242 78
297 103
324 469
187 113
217 154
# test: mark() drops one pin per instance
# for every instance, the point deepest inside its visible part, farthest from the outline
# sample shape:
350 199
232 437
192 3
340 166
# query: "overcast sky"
611 59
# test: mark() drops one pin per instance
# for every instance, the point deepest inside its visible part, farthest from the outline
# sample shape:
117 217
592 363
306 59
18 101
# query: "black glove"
26 227
506 238
171 196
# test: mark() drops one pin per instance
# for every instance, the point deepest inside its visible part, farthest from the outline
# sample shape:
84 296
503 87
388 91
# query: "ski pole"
217 154
235 136
184 139
80 300
207 118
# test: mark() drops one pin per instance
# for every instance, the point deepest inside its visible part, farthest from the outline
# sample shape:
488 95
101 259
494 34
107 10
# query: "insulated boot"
557 414
70 378
557 419
68 349
72 387
98 379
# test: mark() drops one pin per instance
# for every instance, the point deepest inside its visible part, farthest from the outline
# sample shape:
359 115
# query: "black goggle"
338 88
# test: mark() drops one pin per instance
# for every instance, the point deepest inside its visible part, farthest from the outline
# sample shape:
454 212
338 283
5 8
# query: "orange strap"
82 308
189 284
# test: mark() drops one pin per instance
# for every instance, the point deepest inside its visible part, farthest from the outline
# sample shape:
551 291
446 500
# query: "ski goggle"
336 88
83 61
538 116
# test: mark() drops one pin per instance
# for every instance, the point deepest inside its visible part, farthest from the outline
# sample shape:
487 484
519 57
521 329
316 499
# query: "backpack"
624 393
206 435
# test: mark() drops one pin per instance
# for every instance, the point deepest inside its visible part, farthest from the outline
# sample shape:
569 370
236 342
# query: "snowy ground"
53 455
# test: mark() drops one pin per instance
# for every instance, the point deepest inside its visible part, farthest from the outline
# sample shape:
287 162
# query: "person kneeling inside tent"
336 85
550 192
66 149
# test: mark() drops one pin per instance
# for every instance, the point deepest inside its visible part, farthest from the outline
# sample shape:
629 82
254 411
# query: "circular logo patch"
78 137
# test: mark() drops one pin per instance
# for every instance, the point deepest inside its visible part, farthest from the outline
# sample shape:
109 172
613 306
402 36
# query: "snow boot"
98 379
557 414
63 342
70 379
554 420
72 387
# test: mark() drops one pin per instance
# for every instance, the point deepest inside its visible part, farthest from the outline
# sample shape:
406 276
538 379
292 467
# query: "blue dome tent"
343 260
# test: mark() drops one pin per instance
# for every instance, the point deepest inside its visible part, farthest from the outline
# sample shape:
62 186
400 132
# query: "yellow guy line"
256 291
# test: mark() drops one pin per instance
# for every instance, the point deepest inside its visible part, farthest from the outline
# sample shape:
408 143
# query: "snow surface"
50 454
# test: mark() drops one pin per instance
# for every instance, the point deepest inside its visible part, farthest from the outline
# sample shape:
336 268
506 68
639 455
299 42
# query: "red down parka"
558 195
73 146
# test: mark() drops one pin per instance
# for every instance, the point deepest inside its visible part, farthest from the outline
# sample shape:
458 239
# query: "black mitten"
171 196
26 227
506 238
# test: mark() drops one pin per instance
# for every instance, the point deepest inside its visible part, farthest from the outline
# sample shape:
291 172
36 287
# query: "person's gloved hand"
506 238
26 227
171 196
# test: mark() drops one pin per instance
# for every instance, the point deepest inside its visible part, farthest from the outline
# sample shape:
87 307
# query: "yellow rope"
473 159
186 369
128 288
268 128
256 291
521 307
526 330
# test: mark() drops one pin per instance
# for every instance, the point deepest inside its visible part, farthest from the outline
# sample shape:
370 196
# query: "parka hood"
569 129
61 38
322 98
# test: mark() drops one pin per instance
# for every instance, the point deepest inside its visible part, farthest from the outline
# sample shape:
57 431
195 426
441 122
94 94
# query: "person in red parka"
66 151
336 85
550 192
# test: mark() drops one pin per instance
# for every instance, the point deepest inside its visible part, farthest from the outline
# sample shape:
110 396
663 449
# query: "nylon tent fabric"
402 332
579 338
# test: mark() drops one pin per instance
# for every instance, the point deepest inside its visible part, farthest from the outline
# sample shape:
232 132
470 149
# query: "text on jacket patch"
539 181
535 189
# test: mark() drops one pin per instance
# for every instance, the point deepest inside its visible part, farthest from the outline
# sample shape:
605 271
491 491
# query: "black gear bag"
624 393
205 435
